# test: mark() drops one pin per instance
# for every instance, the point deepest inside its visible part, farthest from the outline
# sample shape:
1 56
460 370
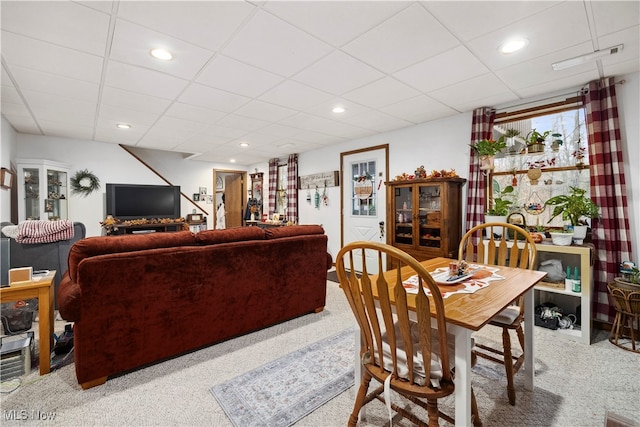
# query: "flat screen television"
131 201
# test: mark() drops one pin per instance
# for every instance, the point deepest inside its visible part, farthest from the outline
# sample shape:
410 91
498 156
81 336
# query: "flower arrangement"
489 147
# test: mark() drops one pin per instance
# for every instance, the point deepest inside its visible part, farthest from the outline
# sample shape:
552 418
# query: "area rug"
283 391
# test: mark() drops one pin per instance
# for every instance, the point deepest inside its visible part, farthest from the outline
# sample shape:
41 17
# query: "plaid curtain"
292 188
273 184
610 234
481 128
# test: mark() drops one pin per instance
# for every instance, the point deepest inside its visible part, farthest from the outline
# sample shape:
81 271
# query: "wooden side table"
41 288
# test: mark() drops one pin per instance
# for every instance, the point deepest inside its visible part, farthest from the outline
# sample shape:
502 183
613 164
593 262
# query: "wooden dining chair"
411 357
501 249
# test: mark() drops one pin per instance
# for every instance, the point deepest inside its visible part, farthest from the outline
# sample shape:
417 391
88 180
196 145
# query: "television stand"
148 228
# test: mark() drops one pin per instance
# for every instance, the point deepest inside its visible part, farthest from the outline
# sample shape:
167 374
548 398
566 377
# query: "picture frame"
6 178
203 192
196 197
219 183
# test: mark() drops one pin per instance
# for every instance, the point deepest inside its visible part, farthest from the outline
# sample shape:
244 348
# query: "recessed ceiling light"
244 144
513 45
338 109
123 126
163 54
232 160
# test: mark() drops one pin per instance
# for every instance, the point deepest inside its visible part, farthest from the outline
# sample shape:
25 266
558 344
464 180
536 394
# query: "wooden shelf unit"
424 216
569 301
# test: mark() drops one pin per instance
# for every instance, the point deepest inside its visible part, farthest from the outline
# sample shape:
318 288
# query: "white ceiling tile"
430 74
335 22
630 38
561 83
146 82
49 58
58 23
132 44
234 76
381 92
242 123
124 115
223 132
402 40
325 109
15 109
106 131
10 95
271 44
56 85
50 107
378 121
58 128
470 19
338 73
206 23
553 29
187 128
126 99
472 90
295 95
101 5
279 130
418 109
197 114
22 123
264 111
320 124
613 16
208 97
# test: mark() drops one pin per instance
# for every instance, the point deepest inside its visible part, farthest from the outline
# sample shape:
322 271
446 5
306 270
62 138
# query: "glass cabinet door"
430 216
31 193
404 215
55 205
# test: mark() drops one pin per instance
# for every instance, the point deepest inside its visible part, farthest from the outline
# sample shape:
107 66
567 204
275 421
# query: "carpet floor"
575 385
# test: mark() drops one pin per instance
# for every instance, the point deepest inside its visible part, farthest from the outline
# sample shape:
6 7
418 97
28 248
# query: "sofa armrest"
69 297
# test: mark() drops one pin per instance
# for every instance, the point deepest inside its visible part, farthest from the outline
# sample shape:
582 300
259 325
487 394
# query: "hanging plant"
84 183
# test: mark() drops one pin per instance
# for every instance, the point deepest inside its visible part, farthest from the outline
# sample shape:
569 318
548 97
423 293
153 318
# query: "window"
281 191
363 188
537 176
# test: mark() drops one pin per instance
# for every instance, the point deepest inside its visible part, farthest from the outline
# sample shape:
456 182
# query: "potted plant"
487 149
630 278
535 141
573 207
498 209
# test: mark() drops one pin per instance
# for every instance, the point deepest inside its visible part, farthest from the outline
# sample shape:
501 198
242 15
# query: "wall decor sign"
6 178
322 179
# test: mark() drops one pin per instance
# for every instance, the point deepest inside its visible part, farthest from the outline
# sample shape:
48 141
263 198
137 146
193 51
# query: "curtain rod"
581 91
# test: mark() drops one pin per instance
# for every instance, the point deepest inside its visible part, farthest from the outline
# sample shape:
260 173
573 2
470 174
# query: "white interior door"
364 199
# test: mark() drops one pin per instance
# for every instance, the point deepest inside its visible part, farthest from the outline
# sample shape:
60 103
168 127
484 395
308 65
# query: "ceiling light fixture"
338 110
513 45
244 144
123 126
232 160
583 59
160 53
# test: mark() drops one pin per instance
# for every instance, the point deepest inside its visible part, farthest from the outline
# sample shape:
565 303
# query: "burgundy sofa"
139 299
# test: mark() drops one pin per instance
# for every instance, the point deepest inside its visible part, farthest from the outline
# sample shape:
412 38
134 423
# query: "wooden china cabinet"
425 216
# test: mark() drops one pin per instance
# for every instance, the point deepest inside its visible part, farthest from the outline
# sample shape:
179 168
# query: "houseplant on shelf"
487 149
573 207
630 278
535 141
498 209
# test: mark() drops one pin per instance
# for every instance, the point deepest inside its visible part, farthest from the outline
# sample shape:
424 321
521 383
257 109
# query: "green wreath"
84 183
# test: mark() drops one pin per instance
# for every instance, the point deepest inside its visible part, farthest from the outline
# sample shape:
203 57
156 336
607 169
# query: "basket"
561 239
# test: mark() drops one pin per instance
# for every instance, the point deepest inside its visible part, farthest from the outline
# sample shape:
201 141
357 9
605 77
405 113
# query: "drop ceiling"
269 73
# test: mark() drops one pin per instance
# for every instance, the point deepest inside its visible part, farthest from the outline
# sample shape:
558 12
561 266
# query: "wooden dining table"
468 312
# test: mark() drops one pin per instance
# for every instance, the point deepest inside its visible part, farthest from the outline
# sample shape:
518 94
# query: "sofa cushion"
236 234
102 245
292 230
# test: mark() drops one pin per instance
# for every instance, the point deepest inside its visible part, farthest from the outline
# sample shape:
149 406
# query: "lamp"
583 59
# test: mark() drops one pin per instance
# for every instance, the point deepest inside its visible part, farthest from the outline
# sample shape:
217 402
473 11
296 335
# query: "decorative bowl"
561 239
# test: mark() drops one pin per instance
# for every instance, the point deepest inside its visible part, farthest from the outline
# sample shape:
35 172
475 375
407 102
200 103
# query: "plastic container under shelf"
561 239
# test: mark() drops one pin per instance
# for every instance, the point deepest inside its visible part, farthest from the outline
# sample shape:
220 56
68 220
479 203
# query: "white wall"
7 154
112 164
